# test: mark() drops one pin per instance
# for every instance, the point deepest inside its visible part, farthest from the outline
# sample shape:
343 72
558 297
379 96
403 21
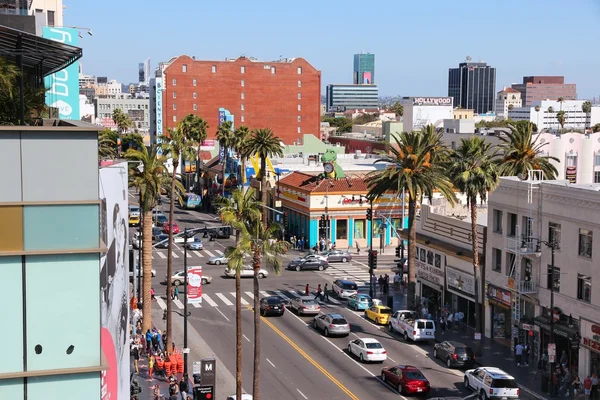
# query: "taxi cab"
378 314
134 220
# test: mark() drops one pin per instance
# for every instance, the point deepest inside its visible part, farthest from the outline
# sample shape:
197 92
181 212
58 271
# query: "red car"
167 226
406 378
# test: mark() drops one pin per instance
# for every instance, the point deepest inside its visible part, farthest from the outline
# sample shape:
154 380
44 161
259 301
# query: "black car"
272 305
455 354
311 263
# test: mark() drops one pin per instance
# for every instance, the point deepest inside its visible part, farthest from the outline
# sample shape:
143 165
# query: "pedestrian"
526 352
135 351
442 324
380 281
307 290
594 379
135 389
566 383
148 341
172 293
357 249
155 341
587 387
519 353
152 294
151 366
326 293
576 386
397 281
161 346
449 320
176 293
183 387
318 292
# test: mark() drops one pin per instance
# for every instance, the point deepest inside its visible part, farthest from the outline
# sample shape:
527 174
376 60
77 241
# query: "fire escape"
523 245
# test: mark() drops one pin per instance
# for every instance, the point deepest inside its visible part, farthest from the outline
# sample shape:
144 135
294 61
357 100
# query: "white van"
406 323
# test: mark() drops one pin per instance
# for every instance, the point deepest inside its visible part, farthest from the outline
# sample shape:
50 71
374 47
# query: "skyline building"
364 69
473 86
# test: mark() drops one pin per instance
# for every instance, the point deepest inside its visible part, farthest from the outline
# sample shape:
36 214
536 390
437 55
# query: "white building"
421 111
113 88
52 11
543 114
524 219
507 99
137 109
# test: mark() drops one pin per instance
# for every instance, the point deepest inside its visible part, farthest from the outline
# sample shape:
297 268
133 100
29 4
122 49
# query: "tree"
522 153
586 107
241 137
195 128
264 143
561 101
107 144
342 124
398 109
596 128
561 117
416 166
130 140
511 107
239 209
177 145
226 138
474 172
10 96
149 176
365 118
122 120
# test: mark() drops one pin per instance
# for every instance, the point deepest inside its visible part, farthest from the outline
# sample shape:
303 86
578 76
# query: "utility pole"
140 243
185 305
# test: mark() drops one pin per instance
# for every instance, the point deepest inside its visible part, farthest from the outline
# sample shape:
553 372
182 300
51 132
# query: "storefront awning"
559 328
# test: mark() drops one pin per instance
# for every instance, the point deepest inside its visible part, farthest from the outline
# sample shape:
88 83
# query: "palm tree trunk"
256 378
412 249
238 328
224 170
475 245
170 259
147 270
263 186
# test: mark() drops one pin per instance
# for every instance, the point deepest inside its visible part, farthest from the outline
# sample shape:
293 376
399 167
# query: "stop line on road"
162 255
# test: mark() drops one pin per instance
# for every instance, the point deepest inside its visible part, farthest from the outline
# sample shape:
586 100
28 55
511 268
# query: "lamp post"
139 271
185 305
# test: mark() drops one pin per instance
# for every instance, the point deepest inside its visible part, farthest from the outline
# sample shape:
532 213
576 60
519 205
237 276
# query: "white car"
491 382
245 396
247 272
178 278
367 349
218 260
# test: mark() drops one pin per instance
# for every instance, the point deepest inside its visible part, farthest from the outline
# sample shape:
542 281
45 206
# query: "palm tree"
177 145
416 165
241 137
560 101
193 127
596 128
398 109
522 153
237 210
107 144
264 143
561 117
474 171
10 96
586 107
537 111
122 120
149 177
226 138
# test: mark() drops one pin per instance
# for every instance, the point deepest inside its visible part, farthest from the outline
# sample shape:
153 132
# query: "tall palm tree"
521 153
398 109
194 128
586 107
149 176
241 137
264 143
177 145
107 144
561 117
237 210
416 165
474 171
226 138
122 120
10 96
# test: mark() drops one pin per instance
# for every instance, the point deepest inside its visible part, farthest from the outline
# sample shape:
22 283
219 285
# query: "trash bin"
390 302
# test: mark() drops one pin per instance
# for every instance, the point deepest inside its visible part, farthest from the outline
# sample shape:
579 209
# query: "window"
510 260
527 228
585 243
497 260
512 224
243 69
299 130
242 118
556 279
174 82
584 288
597 159
299 107
554 233
341 229
243 84
243 95
194 82
498 215
243 107
299 70
195 95
51 18
174 95
174 106
299 96
214 69
184 68
273 70
299 83
299 118
195 107
596 176
174 118
359 229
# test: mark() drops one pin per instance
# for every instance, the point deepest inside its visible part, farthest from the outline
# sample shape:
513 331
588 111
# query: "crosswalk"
228 299
348 271
162 254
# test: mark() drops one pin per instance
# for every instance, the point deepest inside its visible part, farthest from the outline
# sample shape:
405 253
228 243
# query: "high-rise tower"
473 86
364 69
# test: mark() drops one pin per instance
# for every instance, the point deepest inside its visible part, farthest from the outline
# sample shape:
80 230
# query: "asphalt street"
298 362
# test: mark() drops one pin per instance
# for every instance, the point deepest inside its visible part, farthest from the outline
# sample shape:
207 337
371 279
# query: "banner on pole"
194 289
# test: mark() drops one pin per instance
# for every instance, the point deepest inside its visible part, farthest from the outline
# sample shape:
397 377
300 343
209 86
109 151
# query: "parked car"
344 288
272 305
332 324
378 314
338 256
247 272
308 264
455 354
359 301
305 305
138 272
491 382
367 349
406 379
178 278
156 232
407 323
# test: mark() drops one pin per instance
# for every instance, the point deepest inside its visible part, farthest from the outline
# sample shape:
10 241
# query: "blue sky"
414 42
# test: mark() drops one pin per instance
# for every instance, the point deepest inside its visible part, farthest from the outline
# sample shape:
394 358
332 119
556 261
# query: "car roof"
382 306
457 343
306 297
272 298
346 281
336 315
408 367
369 340
496 373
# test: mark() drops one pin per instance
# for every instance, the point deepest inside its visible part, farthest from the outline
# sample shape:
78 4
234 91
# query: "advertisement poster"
194 288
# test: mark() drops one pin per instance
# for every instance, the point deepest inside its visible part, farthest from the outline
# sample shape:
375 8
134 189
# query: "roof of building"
312 183
509 90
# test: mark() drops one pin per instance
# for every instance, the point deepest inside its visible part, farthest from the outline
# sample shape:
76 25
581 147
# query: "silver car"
218 260
196 245
304 305
338 256
332 324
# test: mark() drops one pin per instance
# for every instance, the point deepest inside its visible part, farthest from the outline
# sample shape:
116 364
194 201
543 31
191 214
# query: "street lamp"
369 218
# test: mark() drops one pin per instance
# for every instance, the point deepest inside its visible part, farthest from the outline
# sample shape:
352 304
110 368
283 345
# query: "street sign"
551 359
186 350
477 336
208 371
196 367
551 349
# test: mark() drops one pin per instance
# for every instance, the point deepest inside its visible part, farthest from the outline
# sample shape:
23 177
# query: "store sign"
208 144
592 344
295 197
500 295
459 280
432 101
430 273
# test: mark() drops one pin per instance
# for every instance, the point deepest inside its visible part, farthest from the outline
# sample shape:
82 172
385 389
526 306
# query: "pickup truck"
407 323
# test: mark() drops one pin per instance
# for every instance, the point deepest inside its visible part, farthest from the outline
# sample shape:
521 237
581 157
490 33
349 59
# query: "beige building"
506 100
51 9
462 113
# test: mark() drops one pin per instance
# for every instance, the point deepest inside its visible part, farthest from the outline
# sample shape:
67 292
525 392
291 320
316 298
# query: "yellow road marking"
308 358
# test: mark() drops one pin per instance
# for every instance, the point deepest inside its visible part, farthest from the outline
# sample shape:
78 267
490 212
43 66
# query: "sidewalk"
146 383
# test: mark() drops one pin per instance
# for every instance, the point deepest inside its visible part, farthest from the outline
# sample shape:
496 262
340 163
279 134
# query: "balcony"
522 246
527 287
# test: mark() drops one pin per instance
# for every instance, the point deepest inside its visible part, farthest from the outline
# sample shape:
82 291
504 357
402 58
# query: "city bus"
191 201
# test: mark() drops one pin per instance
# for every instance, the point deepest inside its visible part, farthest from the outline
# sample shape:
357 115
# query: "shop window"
438 261
512 224
497 260
585 243
430 257
554 234
359 229
498 215
584 288
341 229
422 255
556 277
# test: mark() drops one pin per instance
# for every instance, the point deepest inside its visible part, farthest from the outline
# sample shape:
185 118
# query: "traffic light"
373 259
398 251
322 221
369 214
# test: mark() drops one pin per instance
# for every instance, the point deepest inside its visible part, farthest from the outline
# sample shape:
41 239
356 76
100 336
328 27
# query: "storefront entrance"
501 325
432 299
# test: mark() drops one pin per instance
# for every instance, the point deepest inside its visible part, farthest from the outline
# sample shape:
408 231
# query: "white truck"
410 326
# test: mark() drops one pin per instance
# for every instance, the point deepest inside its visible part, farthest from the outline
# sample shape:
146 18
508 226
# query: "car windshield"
374 345
463 350
385 311
309 302
414 375
349 286
339 321
364 299
504 383
274 300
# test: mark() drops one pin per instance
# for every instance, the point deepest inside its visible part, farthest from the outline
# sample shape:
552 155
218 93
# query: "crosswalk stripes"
210 301
178 303
224 299
264 294
161 303
197 305
219 252
197 253
250 294
175 255
208 253
283 296
161 255
188 255
244 302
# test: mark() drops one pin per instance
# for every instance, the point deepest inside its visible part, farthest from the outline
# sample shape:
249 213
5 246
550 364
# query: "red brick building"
283 95
545 88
